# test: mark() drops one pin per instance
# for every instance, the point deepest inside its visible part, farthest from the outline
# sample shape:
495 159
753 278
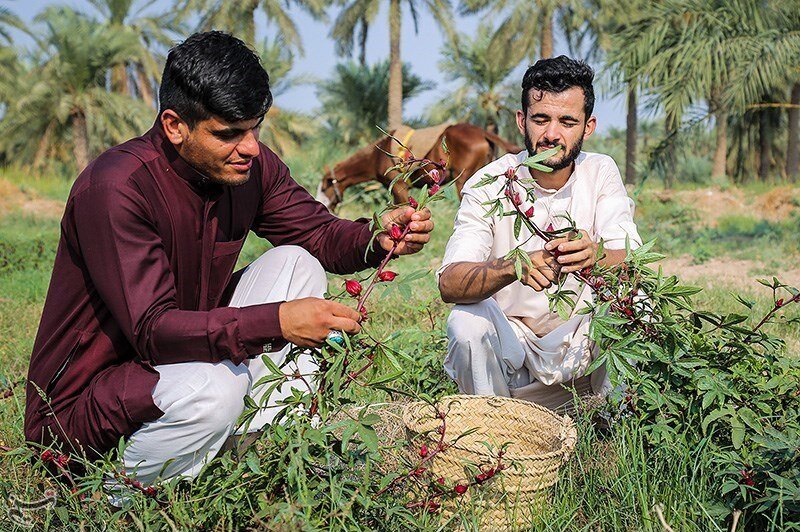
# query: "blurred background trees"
712 87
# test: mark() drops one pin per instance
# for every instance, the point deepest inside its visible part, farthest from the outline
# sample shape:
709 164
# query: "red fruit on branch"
440 481
63 460
387 276
529 212
511 174
423 451
433 190
412 202
396 232
364 315
460 489
48 456
779 303
353 287
435 175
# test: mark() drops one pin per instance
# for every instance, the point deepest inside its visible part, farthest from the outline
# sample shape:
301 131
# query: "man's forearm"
613 257
471 282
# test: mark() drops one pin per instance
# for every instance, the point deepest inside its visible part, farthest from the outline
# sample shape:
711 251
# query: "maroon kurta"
142 273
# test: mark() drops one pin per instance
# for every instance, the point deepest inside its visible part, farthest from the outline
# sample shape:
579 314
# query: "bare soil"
724 272
14 200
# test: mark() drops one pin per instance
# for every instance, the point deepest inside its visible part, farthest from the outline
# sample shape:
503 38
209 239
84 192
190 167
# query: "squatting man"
503 339
147 334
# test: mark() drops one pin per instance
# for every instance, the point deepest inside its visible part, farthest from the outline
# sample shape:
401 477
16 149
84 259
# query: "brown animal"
471 148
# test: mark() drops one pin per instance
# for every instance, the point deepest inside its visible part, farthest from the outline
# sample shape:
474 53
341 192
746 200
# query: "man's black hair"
214 73
558 74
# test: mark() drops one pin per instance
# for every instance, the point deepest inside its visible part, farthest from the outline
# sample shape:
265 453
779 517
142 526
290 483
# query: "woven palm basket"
537 443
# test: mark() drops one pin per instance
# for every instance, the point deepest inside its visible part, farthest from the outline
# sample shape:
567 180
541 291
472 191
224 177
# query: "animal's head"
329 190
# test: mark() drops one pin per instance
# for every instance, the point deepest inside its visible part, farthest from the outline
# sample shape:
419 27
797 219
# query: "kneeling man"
503 339
147 334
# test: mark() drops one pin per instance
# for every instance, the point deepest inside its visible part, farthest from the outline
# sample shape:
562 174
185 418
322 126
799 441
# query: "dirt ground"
713 203
723 271
15 200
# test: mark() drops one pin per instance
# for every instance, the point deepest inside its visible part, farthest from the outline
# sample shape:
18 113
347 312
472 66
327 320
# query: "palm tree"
282 130
62 109
239 17
727 54
353 100
9 20
358 15
483 95
793 137
590 26
127 16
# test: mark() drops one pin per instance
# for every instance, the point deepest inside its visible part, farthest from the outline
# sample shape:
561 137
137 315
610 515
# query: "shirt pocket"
74 351
223 261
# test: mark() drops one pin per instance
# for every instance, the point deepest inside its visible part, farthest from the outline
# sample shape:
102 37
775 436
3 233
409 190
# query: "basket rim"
567 435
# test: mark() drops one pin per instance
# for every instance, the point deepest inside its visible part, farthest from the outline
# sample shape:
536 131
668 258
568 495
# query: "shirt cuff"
260 329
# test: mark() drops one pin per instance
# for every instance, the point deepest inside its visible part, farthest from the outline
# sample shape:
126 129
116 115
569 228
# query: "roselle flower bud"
150 491
423 451
433 190
460 489
63 460
396 232
432 506
511 174
481 478
550 227
412 202
435 175
529 212
442 163
387 276
440 481
364 315
779 303
47 456
353 287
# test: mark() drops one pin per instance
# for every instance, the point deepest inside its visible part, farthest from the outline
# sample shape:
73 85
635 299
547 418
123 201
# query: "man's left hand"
574 255
419 225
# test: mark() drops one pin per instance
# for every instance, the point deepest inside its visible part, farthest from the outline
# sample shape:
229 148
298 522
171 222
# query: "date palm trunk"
80 140
119 79
546 49
362 42
764 146
143 84
793 140
719 169
630 136
395 67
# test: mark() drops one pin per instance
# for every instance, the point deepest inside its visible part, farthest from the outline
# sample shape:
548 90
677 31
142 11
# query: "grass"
612 483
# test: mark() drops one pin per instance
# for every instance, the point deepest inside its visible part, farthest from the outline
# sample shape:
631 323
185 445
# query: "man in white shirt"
503 339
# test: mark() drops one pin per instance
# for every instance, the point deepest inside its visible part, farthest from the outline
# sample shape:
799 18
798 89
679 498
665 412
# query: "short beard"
565 160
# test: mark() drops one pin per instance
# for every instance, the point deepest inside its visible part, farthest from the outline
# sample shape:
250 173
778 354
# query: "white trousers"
201 401
490 354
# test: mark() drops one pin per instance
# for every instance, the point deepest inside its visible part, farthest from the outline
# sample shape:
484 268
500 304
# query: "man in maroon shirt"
146 333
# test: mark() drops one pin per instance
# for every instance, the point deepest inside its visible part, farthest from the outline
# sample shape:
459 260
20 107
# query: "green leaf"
517 226
737 432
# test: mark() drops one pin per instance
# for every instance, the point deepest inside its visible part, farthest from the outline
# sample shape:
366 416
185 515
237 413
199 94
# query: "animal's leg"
400 192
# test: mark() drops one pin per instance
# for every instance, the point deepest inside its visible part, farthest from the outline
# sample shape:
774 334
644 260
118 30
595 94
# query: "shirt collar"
178 164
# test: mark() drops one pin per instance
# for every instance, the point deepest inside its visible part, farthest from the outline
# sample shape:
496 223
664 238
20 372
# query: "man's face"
555 119
222 151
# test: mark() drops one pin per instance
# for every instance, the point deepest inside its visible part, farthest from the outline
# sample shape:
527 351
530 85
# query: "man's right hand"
306 322
545 270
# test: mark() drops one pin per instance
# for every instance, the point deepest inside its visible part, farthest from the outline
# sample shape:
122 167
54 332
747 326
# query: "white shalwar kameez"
511 344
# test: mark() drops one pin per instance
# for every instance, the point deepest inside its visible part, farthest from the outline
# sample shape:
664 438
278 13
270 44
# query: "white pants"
201 401
490 354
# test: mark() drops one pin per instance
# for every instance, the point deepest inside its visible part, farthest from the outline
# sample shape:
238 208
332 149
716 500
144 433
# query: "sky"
420 49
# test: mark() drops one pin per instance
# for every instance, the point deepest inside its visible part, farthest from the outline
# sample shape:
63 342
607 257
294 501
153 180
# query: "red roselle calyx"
48 456
433 190
435 175
396 232
386 276
353 287
779 303
423 451
511 174
529 212
460 489
412 202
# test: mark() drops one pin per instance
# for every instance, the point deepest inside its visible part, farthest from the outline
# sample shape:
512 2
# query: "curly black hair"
214 73
558 74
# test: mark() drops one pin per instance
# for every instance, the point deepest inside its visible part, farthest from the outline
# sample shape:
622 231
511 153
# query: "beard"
566 158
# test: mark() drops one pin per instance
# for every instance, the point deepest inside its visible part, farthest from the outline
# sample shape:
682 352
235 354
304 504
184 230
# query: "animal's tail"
500 146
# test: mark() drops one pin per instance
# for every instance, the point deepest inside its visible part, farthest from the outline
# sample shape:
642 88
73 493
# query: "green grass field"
612 483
